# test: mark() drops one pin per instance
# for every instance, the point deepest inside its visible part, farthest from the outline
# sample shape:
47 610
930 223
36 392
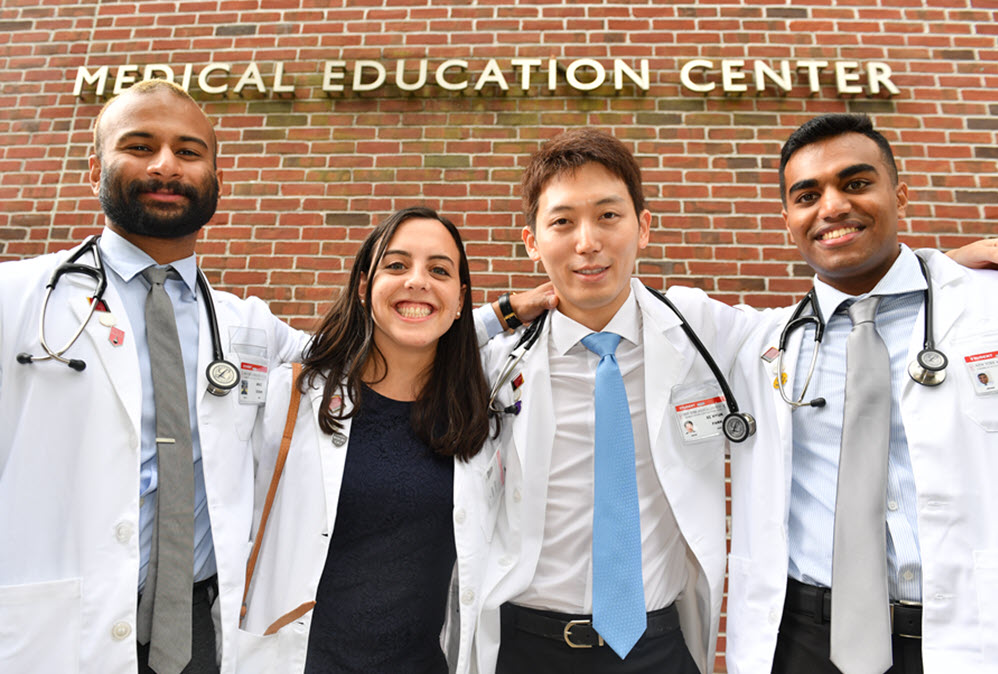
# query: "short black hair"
829 126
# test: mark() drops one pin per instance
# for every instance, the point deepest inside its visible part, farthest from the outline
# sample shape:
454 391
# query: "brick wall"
308 172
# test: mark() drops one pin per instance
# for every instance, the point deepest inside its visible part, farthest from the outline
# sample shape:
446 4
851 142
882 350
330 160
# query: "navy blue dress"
383 593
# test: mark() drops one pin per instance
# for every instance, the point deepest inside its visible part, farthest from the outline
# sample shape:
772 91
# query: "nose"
418 279
587 237
164 163
834 204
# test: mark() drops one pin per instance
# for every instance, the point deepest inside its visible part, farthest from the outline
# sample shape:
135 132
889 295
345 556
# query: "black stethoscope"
928 368
222 375
737 426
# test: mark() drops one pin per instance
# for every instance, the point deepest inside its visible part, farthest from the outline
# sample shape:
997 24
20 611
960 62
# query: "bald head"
117 106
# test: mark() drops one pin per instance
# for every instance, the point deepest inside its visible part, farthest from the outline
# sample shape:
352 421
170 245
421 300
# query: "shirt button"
907 575
459 515
892 505
121 631
468 597
123 532
516 496
142 501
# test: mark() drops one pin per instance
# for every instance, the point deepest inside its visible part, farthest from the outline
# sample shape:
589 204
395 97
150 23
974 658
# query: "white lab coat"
69 475
300 527
953 442
691 475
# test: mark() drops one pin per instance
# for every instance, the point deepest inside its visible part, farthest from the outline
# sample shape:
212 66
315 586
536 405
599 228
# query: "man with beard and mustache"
84 524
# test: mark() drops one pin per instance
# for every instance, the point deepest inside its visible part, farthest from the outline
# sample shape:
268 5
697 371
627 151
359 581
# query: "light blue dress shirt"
125 263
817 434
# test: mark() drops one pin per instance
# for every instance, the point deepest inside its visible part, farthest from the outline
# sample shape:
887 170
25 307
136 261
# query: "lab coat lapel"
948 305
668 356
784 412
120 363
332 451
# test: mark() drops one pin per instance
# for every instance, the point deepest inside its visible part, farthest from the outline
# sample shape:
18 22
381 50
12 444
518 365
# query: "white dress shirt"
563 577
125 263
817 434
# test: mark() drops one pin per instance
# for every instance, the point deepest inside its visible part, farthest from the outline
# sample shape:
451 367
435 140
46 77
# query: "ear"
94 174
219 174
530 241
460 301
644 229
786 223
362 286
902 197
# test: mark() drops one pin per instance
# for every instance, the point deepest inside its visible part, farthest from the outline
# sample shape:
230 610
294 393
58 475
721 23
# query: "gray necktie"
164 619
861 622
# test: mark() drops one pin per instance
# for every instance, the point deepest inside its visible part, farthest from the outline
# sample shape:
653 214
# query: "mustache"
153 185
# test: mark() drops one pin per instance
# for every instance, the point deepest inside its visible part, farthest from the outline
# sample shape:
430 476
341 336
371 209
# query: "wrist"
509 317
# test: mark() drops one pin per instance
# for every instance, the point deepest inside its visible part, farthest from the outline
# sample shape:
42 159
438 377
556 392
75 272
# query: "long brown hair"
450 415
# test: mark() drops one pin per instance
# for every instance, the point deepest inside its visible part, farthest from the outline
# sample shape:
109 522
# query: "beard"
122 206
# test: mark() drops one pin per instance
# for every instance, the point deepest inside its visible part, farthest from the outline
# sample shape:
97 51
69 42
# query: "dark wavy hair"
451 413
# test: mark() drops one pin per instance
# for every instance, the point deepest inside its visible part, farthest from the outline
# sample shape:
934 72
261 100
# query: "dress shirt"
124 262
817 434
563 578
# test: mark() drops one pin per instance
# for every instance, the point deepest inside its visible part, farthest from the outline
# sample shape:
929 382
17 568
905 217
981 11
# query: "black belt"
816 603
577 630
205 591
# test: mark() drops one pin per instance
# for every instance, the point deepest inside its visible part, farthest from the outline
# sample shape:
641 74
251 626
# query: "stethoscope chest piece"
738 426
222 377
929 367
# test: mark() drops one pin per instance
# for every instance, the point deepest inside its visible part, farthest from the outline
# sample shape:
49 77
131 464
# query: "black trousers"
803 646
203 659
521 652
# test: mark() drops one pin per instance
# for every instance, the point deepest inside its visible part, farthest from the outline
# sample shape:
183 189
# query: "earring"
458 315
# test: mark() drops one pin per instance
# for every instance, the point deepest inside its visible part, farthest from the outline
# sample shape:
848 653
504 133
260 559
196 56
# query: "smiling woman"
363 525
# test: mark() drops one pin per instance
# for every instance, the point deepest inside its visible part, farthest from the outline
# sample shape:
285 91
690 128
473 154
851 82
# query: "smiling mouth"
407 310
592 271
838 233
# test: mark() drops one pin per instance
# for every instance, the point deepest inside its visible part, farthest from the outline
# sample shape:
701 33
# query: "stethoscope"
737 426
928 368
222 375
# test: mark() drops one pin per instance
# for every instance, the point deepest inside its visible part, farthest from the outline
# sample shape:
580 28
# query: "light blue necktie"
618 589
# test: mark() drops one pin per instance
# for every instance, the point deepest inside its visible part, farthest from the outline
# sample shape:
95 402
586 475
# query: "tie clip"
169 440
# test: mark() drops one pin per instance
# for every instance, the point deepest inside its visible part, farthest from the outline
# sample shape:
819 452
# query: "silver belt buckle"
567 633
905 603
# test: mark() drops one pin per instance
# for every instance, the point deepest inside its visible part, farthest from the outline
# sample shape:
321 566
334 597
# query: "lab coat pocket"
40 627
283 651
986 577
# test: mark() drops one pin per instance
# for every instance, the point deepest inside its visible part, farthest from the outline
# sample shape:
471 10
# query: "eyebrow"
844 173
612 199
405 253
147 135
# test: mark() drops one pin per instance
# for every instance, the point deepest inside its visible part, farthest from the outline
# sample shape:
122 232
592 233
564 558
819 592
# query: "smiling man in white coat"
909 583
553 596
126 481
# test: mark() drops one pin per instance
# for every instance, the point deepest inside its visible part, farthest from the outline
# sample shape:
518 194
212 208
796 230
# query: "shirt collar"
566 333
128 260
904 276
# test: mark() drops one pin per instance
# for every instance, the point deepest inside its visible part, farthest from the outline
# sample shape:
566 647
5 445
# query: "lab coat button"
892 505
123 532
459 515
468 597
516 496
773 618
121 631
506 560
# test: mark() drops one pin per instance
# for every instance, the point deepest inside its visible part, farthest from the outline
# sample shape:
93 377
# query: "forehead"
423 235
829 156
159 113
587 184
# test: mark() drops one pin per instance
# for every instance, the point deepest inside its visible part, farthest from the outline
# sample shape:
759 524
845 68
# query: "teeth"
413 310
836 233
592 272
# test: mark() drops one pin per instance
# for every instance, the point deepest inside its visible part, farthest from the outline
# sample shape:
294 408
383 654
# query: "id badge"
699 410
983 370
495 480
250 347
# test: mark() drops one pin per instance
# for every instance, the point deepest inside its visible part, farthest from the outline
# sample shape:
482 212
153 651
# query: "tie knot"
601 343
863 311
158 275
